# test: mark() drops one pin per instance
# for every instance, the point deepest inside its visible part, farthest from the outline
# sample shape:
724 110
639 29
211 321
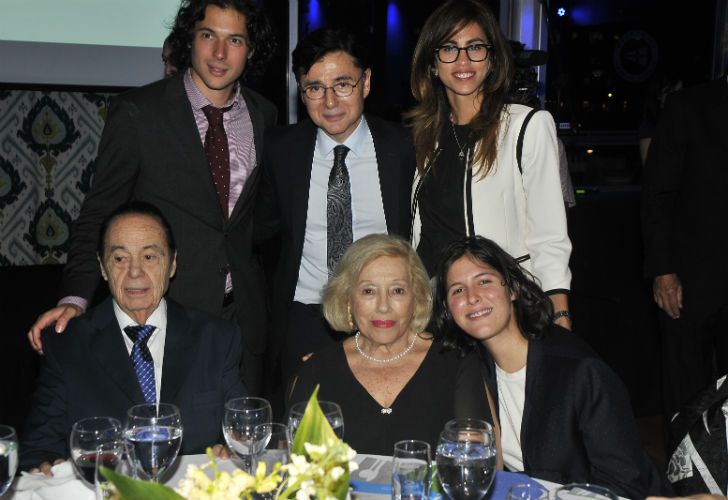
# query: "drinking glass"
272 445
94 442
411 469
241 417
153 437
527 491
466 456
331 410
577 491
8 457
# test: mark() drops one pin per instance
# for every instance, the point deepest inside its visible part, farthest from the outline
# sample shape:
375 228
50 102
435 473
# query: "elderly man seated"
92 369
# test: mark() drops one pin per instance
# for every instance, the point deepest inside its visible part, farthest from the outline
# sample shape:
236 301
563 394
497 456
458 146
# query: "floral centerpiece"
319 468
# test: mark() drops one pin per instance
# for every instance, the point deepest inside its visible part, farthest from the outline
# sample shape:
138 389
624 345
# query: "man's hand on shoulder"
60 315
668 293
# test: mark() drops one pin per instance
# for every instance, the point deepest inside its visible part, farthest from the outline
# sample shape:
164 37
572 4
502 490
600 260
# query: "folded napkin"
62 485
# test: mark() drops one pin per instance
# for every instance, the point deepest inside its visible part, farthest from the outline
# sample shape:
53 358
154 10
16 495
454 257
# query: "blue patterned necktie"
141 358
339 233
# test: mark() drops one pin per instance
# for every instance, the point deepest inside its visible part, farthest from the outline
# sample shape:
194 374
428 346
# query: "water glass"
579 491
527 491
466 456
272 445
411 469
241 417
8 457
94 442
153 437
331 410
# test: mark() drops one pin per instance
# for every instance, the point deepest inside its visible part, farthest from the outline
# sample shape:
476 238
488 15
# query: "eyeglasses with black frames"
476 52
341 89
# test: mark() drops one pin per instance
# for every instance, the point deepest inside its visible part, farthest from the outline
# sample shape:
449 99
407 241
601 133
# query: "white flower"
315 450
337 472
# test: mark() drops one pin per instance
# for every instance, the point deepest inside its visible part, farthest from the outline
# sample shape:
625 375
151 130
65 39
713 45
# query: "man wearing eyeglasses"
327 181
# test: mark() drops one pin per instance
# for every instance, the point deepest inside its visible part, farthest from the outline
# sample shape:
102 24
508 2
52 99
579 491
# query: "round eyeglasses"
317 91
476 52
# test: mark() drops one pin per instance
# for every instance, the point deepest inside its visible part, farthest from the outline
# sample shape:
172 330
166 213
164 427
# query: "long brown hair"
432 110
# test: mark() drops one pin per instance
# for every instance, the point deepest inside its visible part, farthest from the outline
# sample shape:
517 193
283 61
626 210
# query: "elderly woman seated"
564 415
392 381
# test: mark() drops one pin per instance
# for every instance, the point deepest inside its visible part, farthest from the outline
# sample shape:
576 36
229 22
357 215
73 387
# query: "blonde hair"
338 291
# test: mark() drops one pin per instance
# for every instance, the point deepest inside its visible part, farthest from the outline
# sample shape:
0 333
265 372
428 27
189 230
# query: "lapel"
388 175
256 118
299 180
179 352
180 121
107 345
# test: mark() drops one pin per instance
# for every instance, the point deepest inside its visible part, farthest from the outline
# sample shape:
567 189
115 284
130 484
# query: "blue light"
395 35
561 12
314 15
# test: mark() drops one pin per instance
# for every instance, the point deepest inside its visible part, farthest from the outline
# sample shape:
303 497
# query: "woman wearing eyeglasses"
468 181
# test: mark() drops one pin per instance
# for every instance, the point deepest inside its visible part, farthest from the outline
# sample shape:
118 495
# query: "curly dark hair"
532 307
260 33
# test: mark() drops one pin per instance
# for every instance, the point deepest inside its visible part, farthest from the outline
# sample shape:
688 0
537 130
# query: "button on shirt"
156 341
366 205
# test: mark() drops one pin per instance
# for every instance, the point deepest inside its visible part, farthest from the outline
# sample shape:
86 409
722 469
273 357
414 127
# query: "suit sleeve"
46 428
610 434
267 211
547 239
117 167
661 188
231 384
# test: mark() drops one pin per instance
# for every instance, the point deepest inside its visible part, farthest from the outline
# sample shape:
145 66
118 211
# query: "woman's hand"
222 451
45 467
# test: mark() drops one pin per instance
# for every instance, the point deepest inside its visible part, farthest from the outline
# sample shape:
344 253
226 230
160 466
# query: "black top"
441 198
443 387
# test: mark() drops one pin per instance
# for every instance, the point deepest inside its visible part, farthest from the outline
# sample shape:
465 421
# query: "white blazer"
523 213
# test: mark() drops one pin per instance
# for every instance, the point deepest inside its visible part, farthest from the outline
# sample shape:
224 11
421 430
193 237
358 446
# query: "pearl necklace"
385 360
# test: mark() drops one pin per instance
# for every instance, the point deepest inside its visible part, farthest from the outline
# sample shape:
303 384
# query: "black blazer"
283 197
88 373
577 424
150 150
685 193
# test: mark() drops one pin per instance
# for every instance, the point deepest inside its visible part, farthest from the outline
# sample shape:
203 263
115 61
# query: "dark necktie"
339 234
218 153
141 358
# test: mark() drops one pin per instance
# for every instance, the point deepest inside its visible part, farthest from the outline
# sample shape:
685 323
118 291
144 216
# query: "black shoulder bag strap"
519 143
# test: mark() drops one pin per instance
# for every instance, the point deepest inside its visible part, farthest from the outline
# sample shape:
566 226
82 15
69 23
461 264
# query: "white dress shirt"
367 207
156 341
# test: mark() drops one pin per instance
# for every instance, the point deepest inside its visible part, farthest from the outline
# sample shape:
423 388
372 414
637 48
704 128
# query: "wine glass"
411 468
527 491
575 491
8 457
94 442
466 457
272 444
153 437
239 421
331 410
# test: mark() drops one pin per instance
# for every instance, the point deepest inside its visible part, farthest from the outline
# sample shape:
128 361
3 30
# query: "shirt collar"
198 99
355 142
158 318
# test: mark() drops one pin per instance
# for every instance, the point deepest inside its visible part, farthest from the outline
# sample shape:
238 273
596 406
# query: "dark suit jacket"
87 372
684 195
151 150
577 422
283 198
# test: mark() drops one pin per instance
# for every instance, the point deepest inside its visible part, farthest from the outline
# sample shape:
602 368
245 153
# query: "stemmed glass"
331 410
94 442
239 421
8 457
272 444
466 457
153 437
584 490
527 491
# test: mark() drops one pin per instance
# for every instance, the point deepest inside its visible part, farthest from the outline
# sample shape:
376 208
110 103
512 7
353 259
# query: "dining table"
371 481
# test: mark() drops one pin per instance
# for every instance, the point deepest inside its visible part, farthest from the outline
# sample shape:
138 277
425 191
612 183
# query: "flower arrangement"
319 468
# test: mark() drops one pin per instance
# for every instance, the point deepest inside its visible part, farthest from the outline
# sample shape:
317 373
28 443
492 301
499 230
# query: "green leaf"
314 428
134 489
